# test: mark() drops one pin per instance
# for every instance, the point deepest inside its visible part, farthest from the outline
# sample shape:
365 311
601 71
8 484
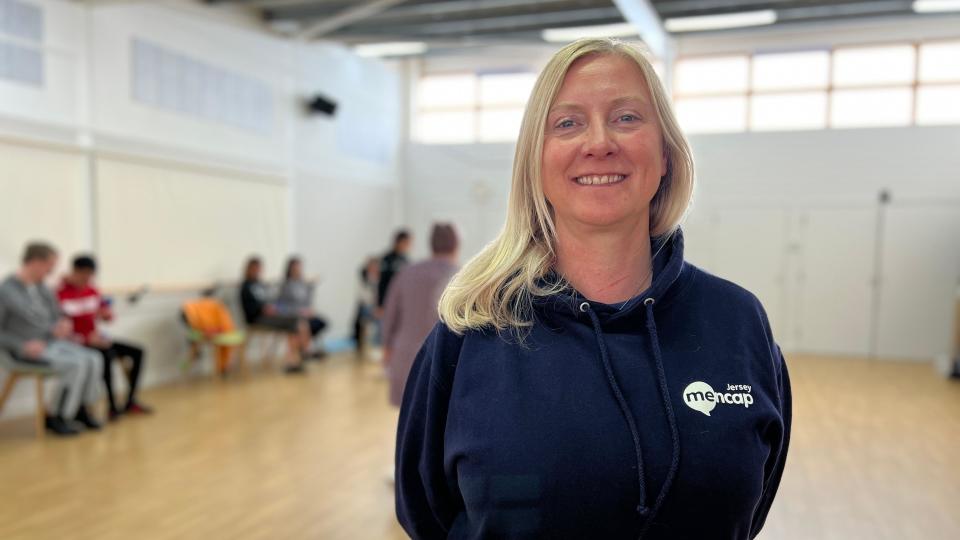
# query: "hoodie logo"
700 396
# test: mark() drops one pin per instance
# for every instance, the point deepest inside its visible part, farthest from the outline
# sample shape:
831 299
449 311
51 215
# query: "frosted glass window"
801 110
711 75
438 91
506 88
500 125
712 115
938 105
940 62
791 71
446 127
874 66
871 108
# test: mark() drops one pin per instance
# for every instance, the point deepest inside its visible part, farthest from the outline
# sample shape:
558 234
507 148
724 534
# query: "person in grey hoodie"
33 330
296 298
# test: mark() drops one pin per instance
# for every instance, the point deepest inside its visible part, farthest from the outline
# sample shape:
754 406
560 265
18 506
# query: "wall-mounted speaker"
321 105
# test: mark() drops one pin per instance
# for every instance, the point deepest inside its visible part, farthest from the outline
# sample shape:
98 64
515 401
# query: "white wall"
790 216
338 175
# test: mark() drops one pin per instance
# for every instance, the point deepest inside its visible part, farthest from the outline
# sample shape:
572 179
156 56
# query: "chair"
271 338
209 323
18 370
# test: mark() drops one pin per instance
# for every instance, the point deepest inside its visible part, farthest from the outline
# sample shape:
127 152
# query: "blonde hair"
496 288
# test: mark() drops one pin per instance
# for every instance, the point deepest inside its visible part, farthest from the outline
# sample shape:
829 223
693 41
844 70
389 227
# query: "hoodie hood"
668 276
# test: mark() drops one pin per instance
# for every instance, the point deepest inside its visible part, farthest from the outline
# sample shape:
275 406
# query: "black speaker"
321 105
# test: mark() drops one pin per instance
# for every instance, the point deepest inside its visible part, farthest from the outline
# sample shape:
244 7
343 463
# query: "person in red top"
82 302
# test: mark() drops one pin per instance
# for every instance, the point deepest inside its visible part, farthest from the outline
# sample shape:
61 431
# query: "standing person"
411 308
259 310
391 264
81 301
296 298
586 381
32 329
366 302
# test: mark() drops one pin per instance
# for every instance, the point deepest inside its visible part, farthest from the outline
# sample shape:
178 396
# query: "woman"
587 382
296 298
259 311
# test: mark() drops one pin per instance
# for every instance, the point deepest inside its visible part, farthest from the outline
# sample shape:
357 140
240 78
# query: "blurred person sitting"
296 298
82 302
391 264
410 311
258 310
33 330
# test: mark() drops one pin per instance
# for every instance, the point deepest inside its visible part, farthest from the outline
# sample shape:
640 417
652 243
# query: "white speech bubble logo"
700 396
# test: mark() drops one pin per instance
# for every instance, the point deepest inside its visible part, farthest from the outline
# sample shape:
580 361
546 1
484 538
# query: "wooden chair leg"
8 388
242 356
41 409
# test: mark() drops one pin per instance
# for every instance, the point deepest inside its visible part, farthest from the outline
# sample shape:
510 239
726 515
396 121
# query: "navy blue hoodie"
666 419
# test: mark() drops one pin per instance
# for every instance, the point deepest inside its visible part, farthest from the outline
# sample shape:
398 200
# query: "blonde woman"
585 381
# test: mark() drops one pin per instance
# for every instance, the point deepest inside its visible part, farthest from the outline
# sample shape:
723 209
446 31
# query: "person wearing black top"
391 263
259 311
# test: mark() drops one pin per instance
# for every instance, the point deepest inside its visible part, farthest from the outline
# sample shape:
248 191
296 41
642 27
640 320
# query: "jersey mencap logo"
700 396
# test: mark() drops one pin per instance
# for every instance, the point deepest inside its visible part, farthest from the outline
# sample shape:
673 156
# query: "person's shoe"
295 369
137 408
87 420
317 354
114 415
59 426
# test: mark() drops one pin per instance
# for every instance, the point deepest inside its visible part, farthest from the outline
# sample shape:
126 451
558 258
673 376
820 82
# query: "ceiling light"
395 48
935 6
565 35
719 22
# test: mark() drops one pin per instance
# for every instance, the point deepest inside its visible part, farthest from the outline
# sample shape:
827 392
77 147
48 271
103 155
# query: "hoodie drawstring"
642 509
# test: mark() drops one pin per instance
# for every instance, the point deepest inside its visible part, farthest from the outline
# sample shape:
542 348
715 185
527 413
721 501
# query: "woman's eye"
565 123
627 118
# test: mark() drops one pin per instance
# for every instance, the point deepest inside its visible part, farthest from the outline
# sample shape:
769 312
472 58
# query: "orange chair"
209 322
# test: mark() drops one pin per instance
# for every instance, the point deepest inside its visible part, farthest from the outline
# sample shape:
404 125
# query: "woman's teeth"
597 179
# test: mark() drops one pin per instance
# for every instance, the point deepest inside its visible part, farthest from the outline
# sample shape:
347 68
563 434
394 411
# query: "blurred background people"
259 310
33 329
391 263
369 279
411 307
296 298
83 304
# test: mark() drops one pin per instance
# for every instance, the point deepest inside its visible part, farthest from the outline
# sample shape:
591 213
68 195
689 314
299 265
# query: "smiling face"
603 153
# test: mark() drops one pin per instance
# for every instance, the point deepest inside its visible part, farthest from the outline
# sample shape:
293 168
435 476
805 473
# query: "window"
447 91
897 84
938 104
471 107
711 75
446 127
800 110
940 62
871 108
713 114
791 71
874 66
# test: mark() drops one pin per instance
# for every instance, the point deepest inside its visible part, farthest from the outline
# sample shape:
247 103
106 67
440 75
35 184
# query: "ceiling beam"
345 18
642 15
442 11
496 24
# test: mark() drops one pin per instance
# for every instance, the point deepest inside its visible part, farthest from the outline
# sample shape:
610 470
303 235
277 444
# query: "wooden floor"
876 455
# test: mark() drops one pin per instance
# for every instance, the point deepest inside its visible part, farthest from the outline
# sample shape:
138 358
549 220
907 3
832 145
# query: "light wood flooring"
875 455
